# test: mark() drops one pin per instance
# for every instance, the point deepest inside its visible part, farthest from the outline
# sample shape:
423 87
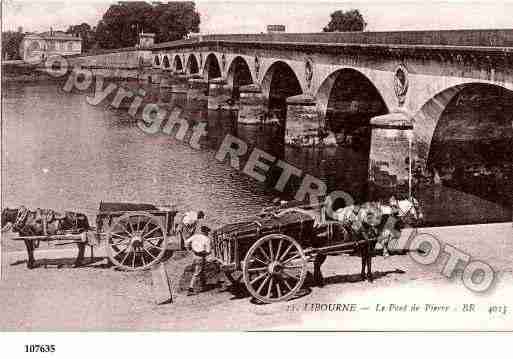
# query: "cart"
136 235
269 253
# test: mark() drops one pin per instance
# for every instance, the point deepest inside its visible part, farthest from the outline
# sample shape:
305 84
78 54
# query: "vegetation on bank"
11 41
120 25
122 22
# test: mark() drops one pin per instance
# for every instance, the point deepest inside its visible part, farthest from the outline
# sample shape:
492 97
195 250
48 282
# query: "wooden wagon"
269 253
136 235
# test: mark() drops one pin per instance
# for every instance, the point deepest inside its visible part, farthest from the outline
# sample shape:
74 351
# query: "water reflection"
60 152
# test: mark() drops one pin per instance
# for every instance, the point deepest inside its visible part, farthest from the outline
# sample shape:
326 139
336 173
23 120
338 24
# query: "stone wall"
123 63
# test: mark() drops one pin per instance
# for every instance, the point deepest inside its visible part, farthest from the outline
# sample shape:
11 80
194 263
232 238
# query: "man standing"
367 235
200 245
188 225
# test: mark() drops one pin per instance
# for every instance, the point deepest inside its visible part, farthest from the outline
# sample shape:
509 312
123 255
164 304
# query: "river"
60 152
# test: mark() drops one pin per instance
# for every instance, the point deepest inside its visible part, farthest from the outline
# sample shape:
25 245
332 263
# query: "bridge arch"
464 134
280 82
347 100
192 66
239 74
211 69
177 63
165 62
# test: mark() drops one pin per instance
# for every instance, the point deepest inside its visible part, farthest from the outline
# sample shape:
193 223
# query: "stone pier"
177 86
390 155
302 124
166 86
219 95
152 76
253 104
196 108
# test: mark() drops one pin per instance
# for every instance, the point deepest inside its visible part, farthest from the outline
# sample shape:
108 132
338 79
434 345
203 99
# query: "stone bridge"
413 94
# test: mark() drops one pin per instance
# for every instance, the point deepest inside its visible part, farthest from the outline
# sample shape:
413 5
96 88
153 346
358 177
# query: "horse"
396 214
373 223
407 209
403 211
43 222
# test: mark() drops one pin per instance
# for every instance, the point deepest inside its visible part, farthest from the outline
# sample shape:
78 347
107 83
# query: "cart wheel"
136 241
274 268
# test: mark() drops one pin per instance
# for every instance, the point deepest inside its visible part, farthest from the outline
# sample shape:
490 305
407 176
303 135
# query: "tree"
85 32
174 20
11 42
350 20
121 23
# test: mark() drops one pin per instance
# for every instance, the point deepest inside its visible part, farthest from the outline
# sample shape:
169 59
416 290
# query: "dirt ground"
98 297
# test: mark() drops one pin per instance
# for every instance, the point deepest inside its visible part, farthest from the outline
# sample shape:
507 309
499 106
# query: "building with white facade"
37 47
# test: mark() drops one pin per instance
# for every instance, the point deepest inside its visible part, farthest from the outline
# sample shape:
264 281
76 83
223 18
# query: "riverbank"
19 71
97 297
36 77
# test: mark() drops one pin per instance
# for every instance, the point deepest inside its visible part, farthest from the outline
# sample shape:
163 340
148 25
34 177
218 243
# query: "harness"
356 209
408 211
74 218
21 218
45 216
6 228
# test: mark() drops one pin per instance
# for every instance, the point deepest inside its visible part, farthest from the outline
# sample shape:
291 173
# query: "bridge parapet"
472 38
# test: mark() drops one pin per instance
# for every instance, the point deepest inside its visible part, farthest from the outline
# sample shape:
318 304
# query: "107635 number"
39 348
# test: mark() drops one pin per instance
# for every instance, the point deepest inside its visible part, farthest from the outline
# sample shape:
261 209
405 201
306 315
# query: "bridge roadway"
472 38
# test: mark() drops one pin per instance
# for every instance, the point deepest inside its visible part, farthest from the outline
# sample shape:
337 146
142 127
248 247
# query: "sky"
298 16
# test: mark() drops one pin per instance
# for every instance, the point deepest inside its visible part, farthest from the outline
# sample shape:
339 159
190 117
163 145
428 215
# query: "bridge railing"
481 38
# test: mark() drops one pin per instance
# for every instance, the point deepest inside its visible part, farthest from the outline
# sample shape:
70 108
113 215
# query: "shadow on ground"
354 278
95 262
